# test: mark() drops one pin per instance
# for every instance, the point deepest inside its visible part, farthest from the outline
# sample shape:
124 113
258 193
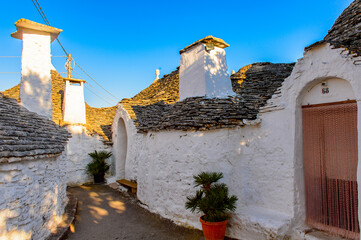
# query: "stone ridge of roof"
314 45
260 80
345 32
13 92
27 135
100 120
218 42
254 85
165 89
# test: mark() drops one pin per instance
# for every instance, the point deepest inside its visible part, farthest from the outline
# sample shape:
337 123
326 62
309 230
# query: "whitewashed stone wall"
35 90
262 164
319 64
258 173
163 164
32 197
78 147
74 104
204 73
126 163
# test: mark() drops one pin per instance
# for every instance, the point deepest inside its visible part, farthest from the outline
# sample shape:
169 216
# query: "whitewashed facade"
262 161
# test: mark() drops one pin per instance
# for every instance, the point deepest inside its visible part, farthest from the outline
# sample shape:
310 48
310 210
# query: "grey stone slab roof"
346 31
254 85
24 134
257 82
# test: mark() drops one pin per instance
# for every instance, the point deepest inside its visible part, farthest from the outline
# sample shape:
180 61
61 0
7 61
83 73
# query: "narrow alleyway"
103 213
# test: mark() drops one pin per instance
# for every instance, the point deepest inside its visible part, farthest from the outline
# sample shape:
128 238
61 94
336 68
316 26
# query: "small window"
74 83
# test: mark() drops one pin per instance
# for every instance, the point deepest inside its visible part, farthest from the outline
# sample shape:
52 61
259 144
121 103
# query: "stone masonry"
26 134
254 85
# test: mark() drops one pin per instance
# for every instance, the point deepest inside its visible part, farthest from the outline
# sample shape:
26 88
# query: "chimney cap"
209 39
27 24
74 80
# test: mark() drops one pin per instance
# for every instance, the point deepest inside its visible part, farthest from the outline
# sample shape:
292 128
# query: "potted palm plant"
98 167
213 201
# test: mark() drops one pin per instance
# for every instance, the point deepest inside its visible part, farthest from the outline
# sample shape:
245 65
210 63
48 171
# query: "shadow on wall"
218 71
31 202
36 93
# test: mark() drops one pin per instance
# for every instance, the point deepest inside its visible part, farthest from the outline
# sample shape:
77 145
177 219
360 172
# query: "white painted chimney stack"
74 104
203 69
35 87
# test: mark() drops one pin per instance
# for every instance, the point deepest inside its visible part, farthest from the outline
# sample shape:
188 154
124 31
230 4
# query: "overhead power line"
95 88
97 95
20 56
36 6
42 14
95 81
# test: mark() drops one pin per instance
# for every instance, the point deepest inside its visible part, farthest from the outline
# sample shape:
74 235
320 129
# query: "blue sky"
121 43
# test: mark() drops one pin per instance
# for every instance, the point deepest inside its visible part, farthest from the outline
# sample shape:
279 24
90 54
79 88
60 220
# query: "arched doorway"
330 154
121 148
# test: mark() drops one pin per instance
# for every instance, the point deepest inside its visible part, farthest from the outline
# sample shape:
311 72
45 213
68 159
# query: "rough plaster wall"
129 168
32 198
74 104
35 89
203 73
192 73
259 173
338 90
78 147
217 79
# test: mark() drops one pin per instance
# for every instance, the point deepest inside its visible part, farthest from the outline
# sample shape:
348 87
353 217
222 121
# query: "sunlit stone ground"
103 213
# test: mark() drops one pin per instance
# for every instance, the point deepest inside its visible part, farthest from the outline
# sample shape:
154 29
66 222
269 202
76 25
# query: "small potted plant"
98 167
213 201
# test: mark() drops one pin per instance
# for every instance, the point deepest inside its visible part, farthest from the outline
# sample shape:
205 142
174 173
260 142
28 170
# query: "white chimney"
74 104
35 87
203 69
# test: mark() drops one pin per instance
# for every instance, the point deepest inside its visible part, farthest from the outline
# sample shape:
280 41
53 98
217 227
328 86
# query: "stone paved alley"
104 213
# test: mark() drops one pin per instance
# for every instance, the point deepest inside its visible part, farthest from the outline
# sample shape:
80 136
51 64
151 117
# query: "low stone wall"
259 173
32 197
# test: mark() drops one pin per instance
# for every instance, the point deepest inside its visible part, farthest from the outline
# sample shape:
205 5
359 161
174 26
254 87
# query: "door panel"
330 167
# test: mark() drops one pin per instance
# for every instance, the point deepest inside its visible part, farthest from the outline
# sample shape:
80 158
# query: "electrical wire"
39 11
97 95
96 81
42 14
91 90
20 56
95 88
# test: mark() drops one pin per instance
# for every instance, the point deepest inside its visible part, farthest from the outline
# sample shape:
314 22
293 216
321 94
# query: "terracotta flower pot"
214 230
